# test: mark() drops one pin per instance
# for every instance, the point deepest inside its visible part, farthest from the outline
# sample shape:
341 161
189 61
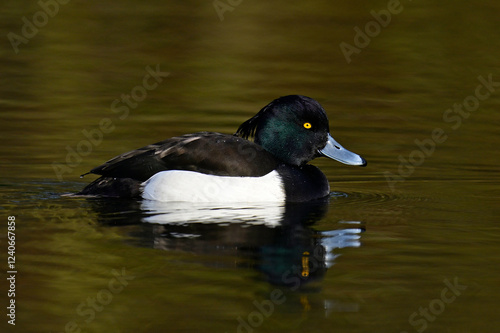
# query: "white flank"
190 186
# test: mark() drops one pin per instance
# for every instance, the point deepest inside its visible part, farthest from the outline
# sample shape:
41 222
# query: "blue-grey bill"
335 151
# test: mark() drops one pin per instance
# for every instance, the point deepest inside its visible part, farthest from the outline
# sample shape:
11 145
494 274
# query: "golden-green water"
408 244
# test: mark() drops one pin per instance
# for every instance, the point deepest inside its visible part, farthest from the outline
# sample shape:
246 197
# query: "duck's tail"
112 187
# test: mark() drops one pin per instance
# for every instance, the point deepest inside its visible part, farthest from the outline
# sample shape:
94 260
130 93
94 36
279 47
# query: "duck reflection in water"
278 240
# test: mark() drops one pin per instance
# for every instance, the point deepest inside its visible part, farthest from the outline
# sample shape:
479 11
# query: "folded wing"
204 152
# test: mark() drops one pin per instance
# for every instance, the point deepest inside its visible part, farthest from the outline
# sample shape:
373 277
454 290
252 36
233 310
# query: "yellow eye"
307 125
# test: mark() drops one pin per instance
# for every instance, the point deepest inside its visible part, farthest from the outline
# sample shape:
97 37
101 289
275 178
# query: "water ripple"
372 198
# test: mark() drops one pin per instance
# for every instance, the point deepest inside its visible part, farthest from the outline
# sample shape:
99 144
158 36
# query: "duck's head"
295 130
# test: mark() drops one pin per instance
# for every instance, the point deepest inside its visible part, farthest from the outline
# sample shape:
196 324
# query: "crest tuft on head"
249 127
